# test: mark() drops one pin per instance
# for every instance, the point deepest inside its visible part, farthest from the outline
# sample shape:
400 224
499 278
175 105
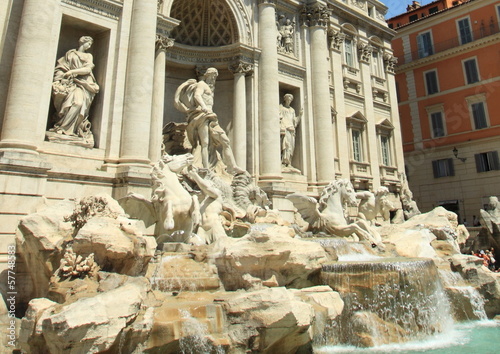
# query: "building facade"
334 57
448 79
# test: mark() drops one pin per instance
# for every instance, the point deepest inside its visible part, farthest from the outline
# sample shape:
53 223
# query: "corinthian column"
269 125
155 140
28 86
139 84
239 143
316 18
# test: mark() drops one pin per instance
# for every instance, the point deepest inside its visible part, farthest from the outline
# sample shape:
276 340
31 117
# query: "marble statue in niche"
195 99
286 30
288 125
73 90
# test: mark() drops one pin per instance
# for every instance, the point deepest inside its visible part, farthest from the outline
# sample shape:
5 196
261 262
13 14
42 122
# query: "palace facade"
334 57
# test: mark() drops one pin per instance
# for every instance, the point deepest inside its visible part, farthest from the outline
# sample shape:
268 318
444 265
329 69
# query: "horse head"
339 192
176 163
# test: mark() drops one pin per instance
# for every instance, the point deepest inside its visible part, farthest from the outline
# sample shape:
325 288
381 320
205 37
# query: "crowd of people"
488 257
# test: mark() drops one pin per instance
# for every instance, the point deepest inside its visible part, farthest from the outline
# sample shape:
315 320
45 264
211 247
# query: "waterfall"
194 338
388 300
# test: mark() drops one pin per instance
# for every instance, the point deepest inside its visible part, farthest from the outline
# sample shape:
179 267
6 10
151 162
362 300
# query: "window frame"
434 110
357 122
426 84
466 80
471 100
421 53
351 39
459 32
449 168
492 161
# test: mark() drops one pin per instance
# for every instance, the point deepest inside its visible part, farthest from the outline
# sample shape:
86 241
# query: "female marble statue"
73 89
288 123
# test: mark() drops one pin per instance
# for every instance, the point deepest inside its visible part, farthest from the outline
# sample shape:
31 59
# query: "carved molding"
336 39
163 42
212 55
315 15
107 8
390 62
365 52
241 67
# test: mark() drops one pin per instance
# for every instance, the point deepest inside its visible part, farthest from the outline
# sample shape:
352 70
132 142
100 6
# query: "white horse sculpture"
175 211
328 215
373 204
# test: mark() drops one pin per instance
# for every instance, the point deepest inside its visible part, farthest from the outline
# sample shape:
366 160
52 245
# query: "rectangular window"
413 18
433 10
471 72
424 42
464 30
479 115
357 146
443 168
431 82
386 153
437 125
487 161
348 52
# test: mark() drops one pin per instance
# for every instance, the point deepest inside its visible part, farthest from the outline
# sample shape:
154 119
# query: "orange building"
448 82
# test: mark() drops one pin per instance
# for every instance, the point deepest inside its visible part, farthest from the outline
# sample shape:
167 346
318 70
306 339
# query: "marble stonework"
142 51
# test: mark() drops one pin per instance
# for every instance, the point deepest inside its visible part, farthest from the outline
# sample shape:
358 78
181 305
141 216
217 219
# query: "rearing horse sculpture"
328 215
171 207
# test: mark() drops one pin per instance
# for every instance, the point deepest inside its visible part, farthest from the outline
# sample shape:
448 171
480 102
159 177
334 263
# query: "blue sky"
397 7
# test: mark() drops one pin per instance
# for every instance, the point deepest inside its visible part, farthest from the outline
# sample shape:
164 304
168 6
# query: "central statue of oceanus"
196 99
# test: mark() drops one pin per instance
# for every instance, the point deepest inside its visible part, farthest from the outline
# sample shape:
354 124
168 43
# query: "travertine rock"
30 336
486 282
413 238
369 330
269 321
93 324
268 253
118 244
40 242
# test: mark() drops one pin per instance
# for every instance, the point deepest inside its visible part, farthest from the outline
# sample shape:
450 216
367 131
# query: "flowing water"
387 300
481 337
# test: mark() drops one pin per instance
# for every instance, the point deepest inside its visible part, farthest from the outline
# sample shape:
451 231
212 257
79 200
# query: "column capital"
163 42
365 52
268 2
315 15
390 62
336 39
240 67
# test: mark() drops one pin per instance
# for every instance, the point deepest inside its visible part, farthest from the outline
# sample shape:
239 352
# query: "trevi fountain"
221 177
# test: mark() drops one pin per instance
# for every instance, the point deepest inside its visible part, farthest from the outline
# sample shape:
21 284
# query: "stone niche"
71 31
297 159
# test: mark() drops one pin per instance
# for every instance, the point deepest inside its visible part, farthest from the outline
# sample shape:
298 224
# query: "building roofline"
427 16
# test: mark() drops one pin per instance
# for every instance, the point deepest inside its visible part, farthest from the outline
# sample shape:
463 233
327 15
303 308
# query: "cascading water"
194 336
387 301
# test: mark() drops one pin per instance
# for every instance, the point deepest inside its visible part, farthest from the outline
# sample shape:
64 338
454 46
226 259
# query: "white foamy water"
464 338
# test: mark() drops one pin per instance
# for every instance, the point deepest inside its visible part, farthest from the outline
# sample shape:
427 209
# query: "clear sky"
397 7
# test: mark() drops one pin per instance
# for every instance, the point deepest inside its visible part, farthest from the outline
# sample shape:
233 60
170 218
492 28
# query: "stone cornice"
291 70
448 53
165 25
348 14
107 8
217 56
